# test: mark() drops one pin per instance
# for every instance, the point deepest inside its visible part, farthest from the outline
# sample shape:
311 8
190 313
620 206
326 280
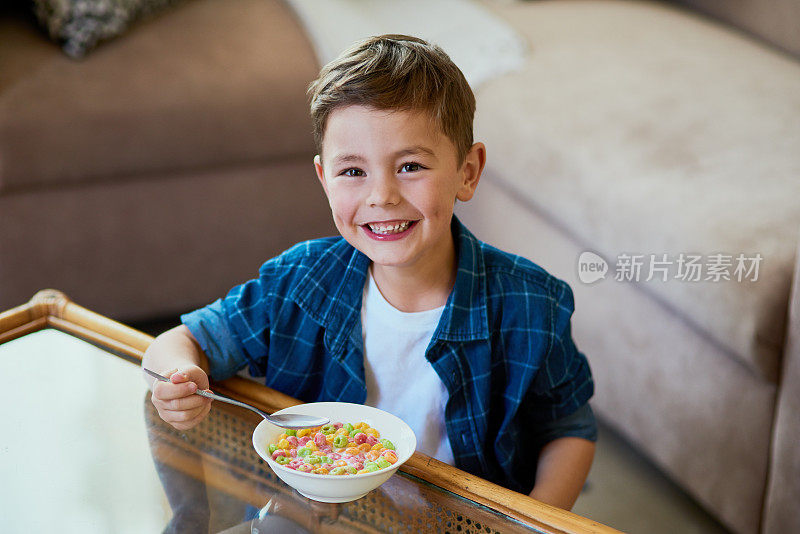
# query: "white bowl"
339 488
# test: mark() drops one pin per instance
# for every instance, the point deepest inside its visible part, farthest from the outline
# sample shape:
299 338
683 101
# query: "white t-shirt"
399 378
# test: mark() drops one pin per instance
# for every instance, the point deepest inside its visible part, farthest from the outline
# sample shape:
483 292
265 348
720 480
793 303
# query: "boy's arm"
177 355
562 469
566 444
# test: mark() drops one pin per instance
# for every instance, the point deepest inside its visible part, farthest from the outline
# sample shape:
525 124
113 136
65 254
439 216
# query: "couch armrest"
781 510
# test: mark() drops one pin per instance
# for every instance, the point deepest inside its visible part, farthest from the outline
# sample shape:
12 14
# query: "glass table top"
83 450
74 456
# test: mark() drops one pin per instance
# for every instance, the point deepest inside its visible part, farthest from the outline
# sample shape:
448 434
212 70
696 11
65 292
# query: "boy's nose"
384 190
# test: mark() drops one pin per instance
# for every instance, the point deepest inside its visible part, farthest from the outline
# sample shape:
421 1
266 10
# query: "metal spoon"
289 420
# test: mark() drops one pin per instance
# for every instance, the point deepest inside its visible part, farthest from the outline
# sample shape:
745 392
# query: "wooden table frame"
52 309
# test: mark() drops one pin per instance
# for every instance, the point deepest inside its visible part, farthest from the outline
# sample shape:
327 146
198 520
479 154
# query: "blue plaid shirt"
503 347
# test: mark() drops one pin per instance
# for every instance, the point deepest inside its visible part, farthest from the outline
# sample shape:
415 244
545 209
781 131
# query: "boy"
407 311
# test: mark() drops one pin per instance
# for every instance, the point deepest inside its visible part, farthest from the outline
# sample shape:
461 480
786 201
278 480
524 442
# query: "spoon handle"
211 395
285 421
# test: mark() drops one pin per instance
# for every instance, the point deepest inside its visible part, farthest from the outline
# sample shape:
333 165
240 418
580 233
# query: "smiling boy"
407 310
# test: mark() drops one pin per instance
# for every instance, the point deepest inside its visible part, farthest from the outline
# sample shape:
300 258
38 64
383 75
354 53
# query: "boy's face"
392 179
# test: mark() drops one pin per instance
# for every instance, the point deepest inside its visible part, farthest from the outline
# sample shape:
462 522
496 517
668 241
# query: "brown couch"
164 168
153 175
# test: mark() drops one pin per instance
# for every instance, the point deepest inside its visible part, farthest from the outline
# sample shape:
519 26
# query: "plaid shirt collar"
336 301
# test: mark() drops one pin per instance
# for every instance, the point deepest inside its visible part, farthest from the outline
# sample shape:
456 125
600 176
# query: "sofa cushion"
141 249
641 129
209 83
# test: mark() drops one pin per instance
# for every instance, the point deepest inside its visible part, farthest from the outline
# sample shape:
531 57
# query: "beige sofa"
153 175
644 128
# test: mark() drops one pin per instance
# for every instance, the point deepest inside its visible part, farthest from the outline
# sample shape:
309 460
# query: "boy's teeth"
389 228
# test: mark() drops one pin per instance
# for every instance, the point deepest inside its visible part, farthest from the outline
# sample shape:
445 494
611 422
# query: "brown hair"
396 72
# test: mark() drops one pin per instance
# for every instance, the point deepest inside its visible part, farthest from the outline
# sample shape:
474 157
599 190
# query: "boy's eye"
411 167
353 172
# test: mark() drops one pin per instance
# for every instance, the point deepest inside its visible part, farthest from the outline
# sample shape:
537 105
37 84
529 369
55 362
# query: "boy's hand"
175 400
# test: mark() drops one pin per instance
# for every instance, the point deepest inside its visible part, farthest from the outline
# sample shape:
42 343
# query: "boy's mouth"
389 229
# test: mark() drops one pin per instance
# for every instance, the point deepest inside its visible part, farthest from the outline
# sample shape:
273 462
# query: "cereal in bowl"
334 449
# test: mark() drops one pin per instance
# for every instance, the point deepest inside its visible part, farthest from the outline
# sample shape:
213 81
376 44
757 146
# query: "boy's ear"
320 173
471 171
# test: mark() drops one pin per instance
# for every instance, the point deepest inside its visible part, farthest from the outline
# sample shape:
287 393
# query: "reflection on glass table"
217 457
